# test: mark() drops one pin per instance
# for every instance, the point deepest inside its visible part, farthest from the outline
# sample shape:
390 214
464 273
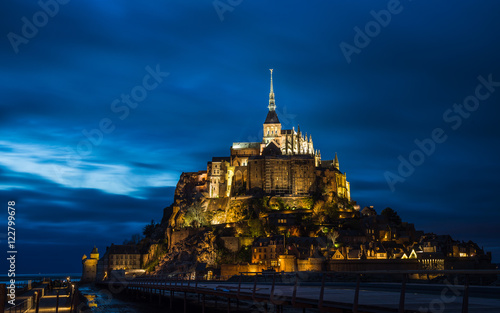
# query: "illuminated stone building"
119 257
273 252
217 181
284 162
266 251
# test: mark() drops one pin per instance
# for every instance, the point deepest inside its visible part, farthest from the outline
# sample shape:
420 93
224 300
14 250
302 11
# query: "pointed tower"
272 125
336 162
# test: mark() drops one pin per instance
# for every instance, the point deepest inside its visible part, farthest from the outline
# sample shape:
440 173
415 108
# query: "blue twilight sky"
90 155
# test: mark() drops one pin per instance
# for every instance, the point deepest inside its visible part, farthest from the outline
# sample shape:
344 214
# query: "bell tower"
272 125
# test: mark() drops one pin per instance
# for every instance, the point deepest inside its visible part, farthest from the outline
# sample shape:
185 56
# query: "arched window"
239 178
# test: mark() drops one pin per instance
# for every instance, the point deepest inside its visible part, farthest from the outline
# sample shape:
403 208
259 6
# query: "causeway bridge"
358 292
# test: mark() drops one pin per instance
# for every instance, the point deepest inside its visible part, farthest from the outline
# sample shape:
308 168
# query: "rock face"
153 251
190 189
185 254
191 193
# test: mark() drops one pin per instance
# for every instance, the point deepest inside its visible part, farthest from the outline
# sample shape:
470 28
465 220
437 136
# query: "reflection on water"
90 300
103 301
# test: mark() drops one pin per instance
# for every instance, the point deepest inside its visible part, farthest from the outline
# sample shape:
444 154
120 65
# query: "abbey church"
276 205
283 163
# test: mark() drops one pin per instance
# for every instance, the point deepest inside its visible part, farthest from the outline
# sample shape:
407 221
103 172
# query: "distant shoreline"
24 278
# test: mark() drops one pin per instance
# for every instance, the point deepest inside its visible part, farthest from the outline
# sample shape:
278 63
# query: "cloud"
62 223
369 111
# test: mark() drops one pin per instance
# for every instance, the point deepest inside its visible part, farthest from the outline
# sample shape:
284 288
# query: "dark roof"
392 244
325 167
354 253
299 241
221 159
201 267
368 211
326 163
272 117
307 241
350 232
94 250
124 249
430 255
267 240
271 149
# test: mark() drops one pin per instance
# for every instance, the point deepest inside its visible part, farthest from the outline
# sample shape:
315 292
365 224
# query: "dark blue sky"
63 74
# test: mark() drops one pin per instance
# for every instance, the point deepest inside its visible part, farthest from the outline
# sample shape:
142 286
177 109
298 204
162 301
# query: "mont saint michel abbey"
276 205
283 163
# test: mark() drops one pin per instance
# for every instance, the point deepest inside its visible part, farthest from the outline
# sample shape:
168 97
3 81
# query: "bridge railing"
478 277
401 277
21 307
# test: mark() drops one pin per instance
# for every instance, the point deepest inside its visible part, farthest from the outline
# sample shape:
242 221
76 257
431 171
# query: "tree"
258 206
333 236
332 210
281 203
392 216
294 231
196 215
318 206
149 229
136 238
256 228
244 255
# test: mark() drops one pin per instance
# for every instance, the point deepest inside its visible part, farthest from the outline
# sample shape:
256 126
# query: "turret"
94 254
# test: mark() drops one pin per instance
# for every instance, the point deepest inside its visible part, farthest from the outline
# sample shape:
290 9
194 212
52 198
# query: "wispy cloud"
64 81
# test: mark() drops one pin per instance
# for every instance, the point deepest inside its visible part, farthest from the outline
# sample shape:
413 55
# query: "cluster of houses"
368 242
374 244
123 259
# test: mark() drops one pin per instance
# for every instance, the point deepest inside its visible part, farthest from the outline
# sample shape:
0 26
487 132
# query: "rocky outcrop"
189 190
154 251
184 254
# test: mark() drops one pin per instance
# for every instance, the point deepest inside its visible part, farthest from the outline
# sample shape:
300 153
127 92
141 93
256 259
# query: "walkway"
50 301
328 296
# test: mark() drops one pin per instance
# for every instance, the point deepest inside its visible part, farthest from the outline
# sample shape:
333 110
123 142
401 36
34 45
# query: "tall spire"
271 106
